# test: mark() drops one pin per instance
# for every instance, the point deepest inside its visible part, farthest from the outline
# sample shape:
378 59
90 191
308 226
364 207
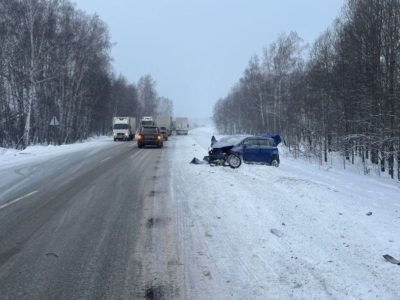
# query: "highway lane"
76 236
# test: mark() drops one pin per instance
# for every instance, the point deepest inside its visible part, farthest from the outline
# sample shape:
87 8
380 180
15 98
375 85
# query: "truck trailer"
181 126
165 121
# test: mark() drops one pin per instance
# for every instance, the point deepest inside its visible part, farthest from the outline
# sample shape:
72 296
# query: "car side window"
250 142
266 143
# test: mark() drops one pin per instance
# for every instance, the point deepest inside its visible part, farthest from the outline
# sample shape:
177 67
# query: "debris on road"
391 259
276 232
51 254
196 161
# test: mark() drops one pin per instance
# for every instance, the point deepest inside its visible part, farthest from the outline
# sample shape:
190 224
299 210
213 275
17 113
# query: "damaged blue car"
230 151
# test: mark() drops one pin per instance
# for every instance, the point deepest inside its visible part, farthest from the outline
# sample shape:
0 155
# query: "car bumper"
150 143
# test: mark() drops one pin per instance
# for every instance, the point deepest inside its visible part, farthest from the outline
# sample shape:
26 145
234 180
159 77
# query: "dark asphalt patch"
51 254
155 292
159 292
153 222
6 255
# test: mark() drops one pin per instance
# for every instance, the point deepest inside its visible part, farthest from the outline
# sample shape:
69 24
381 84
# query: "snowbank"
299 231
10 157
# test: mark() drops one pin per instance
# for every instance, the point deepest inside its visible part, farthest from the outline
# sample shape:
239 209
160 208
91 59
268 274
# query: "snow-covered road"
293 232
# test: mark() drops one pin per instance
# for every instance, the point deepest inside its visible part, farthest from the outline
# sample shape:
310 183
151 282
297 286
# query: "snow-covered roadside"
297 231
10 157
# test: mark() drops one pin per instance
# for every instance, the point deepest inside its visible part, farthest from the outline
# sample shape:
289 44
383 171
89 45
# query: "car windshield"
121 126
149 130
163 128
231 140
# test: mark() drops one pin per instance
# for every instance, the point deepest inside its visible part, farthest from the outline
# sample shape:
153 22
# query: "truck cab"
147 121
123 128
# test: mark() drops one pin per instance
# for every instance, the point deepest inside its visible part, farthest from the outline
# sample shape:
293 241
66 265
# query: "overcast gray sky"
197 49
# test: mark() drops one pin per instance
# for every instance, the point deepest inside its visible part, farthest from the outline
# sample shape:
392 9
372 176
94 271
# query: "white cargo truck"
181 126
147 121
124 128
165 121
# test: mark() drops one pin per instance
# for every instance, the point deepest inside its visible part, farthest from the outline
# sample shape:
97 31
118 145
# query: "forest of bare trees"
55 62
339 95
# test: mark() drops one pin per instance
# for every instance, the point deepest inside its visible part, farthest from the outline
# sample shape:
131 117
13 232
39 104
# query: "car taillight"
141 137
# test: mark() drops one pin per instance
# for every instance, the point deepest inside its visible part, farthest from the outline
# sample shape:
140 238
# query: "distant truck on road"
124 128
165 121
147 121
181 126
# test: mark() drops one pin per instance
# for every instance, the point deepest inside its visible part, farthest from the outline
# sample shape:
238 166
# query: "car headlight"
127 133
114 134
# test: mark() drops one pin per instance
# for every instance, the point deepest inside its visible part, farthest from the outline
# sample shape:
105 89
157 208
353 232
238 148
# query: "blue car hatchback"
250 149
257 150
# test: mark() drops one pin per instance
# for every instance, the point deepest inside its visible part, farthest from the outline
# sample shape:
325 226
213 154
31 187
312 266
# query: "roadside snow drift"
9 157
293 232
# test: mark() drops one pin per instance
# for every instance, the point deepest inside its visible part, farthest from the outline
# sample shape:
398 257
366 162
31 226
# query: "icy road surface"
105 220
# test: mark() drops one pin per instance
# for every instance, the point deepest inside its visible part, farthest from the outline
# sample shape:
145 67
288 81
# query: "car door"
250 149
265 150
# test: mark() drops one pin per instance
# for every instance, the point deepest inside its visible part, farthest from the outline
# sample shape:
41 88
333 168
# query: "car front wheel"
234 161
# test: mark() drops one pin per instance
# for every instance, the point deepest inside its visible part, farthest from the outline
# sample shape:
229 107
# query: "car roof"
236 139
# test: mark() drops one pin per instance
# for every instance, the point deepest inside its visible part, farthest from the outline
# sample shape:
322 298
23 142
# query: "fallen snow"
299 231
10 157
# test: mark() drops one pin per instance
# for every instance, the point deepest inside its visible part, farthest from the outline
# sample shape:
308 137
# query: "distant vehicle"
149 135
165 121
164 132
251 149
147 121
124 128
181 126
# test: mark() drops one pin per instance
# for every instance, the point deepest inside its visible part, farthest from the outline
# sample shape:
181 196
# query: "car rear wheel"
275 163
234 161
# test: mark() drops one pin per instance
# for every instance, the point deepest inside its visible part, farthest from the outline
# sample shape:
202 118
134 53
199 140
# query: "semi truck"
181 125
124 128
165 121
